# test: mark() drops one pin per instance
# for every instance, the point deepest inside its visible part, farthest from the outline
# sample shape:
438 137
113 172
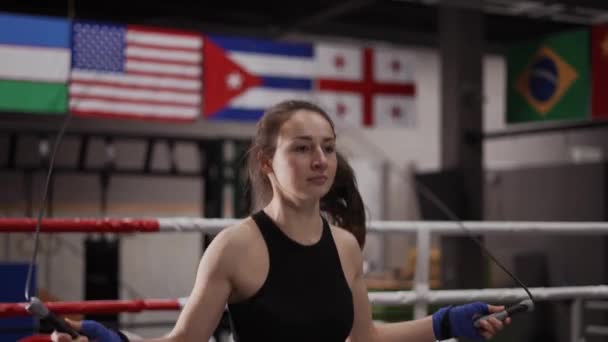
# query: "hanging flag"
549 79
396 106
35 63
599 67
340 64
243 77
373 87
135 72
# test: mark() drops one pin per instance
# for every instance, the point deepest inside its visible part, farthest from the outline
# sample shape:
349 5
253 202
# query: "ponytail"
343 203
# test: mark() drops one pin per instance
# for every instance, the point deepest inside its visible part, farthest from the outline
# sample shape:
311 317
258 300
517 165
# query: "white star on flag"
234 80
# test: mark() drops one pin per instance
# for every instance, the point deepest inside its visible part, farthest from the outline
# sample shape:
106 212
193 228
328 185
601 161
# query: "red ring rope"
94 307
21 225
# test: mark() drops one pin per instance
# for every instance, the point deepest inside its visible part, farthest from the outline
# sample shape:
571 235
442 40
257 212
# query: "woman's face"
304 163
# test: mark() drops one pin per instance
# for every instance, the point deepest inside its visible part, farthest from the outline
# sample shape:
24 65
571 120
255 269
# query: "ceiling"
400 21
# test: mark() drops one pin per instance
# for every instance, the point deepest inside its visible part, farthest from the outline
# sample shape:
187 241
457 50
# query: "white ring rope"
498 295
183 224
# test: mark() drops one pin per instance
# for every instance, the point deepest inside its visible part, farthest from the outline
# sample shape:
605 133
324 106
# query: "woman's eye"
330 149
301 148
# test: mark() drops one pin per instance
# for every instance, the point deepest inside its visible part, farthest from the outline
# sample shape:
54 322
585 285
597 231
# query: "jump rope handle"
37 309
526 305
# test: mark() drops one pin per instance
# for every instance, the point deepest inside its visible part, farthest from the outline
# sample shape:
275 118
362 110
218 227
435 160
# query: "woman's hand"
490 327
63 337
91 329
458 321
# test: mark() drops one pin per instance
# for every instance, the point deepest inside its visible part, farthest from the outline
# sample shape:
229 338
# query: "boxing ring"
421 296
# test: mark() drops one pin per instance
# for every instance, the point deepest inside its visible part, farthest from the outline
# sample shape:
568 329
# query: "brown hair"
342 203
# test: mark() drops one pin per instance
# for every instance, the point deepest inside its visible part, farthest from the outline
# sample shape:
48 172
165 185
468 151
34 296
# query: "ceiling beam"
346 32
330 12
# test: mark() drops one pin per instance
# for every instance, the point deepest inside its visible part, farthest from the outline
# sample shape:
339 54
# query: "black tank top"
305 296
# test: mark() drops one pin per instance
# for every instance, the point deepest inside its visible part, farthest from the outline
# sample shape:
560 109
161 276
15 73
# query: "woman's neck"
301 222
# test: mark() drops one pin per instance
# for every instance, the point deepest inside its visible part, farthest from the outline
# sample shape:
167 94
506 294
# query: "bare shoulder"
347 245
237 236
345 238
230 244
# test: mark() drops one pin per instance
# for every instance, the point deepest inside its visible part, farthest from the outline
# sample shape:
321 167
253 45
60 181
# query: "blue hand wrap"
98 333
457 321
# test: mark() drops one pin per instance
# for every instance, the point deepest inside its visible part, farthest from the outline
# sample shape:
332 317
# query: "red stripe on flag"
163 60
599 67
401 89
368 79
133 101
125 115
164 47
346 86
358 87
134 87
158 74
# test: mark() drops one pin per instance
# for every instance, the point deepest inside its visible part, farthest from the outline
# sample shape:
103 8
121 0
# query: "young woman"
292 271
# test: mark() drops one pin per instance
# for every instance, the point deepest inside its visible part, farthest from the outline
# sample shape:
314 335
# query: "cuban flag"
366 86
243 76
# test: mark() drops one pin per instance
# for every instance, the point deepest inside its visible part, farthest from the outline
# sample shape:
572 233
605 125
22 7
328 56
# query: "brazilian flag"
548 79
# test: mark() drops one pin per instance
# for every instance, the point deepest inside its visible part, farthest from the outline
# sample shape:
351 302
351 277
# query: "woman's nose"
320 160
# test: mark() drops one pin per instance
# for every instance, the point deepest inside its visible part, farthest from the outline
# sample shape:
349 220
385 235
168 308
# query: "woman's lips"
318 180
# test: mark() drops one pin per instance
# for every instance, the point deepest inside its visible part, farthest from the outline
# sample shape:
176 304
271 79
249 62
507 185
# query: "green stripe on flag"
33 97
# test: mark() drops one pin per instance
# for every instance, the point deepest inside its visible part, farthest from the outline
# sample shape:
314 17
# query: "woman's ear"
266 166
265 163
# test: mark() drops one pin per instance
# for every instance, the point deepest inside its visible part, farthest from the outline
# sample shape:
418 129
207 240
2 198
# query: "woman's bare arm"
420 330
211 290
364 329
208 298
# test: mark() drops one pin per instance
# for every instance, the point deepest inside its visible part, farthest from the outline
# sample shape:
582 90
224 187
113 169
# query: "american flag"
136 72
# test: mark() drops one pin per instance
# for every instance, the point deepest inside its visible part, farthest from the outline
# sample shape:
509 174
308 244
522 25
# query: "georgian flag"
334 66
371 87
